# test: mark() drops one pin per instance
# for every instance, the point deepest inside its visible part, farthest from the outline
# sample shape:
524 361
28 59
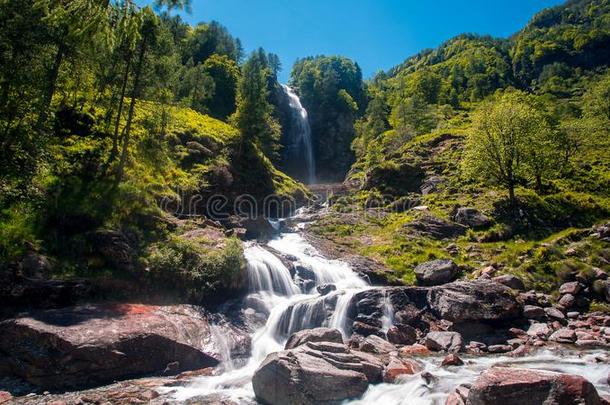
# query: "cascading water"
289 308
298 148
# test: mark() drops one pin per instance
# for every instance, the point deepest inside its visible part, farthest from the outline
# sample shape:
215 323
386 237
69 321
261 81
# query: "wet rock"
402 334
479 300
314 373
573 287
326 288
447 341
533 312
459 396
452 360
539 330
471 217
436 272
415 350
499 348
563 335
399 367
91 345
375 344
513 386
510 281
313 335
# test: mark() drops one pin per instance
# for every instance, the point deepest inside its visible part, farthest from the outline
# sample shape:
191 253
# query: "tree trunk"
115 137
48 96
539 186
512 199
134 93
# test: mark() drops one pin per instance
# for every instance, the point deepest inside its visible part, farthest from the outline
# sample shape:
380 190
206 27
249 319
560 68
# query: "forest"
153 173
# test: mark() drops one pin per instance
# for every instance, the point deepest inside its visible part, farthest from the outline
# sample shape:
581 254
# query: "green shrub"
195 270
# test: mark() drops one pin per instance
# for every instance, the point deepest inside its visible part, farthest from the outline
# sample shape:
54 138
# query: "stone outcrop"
436 272
91 345
513 386
314 373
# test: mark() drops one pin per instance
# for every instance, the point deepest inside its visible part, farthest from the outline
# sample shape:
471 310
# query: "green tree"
254 112
509 136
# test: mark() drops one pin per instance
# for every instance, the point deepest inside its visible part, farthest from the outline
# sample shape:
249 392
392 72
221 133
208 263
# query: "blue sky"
377 34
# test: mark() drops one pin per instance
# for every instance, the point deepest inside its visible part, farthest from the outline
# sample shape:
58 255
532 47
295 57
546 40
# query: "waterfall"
299 147
266 273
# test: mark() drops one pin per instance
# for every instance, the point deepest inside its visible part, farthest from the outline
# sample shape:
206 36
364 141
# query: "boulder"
533 312
573 287
398 367
326 288
444 341
415 350
313 335
540 330
91 345
471 217
313 373
554 313
114 248
479 300
375 344
510 281
452 360
402 334
563 335
567 301
514 386
435 228
436 272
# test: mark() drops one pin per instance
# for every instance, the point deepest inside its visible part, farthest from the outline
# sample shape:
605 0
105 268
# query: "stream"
291 305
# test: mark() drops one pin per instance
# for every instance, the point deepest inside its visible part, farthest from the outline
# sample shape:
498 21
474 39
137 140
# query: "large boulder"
313 373
471 217
444 341
436 272
91 345
313 335
436 228
480 300
513 386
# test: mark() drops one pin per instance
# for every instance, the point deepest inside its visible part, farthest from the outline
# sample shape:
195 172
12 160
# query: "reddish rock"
5 397
415 350
92 345
563 335
533 312
398 367
540 330
499 348
452 360
448 341
567 301
513 386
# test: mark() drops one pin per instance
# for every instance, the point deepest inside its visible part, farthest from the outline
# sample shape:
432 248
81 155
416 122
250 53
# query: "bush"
197 271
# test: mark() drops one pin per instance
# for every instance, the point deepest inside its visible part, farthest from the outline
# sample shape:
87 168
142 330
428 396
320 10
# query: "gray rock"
533 312
540 330
499 348
510 281
436 272
479 300
573 287
313 335
471 217
314 373
435 228
447 341
554 313
375 344
326 288
402 334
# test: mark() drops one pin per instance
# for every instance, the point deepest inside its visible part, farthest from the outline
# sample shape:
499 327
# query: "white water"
289 309
274 292
300 143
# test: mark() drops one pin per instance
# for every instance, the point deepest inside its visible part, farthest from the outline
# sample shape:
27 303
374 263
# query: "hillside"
411 181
